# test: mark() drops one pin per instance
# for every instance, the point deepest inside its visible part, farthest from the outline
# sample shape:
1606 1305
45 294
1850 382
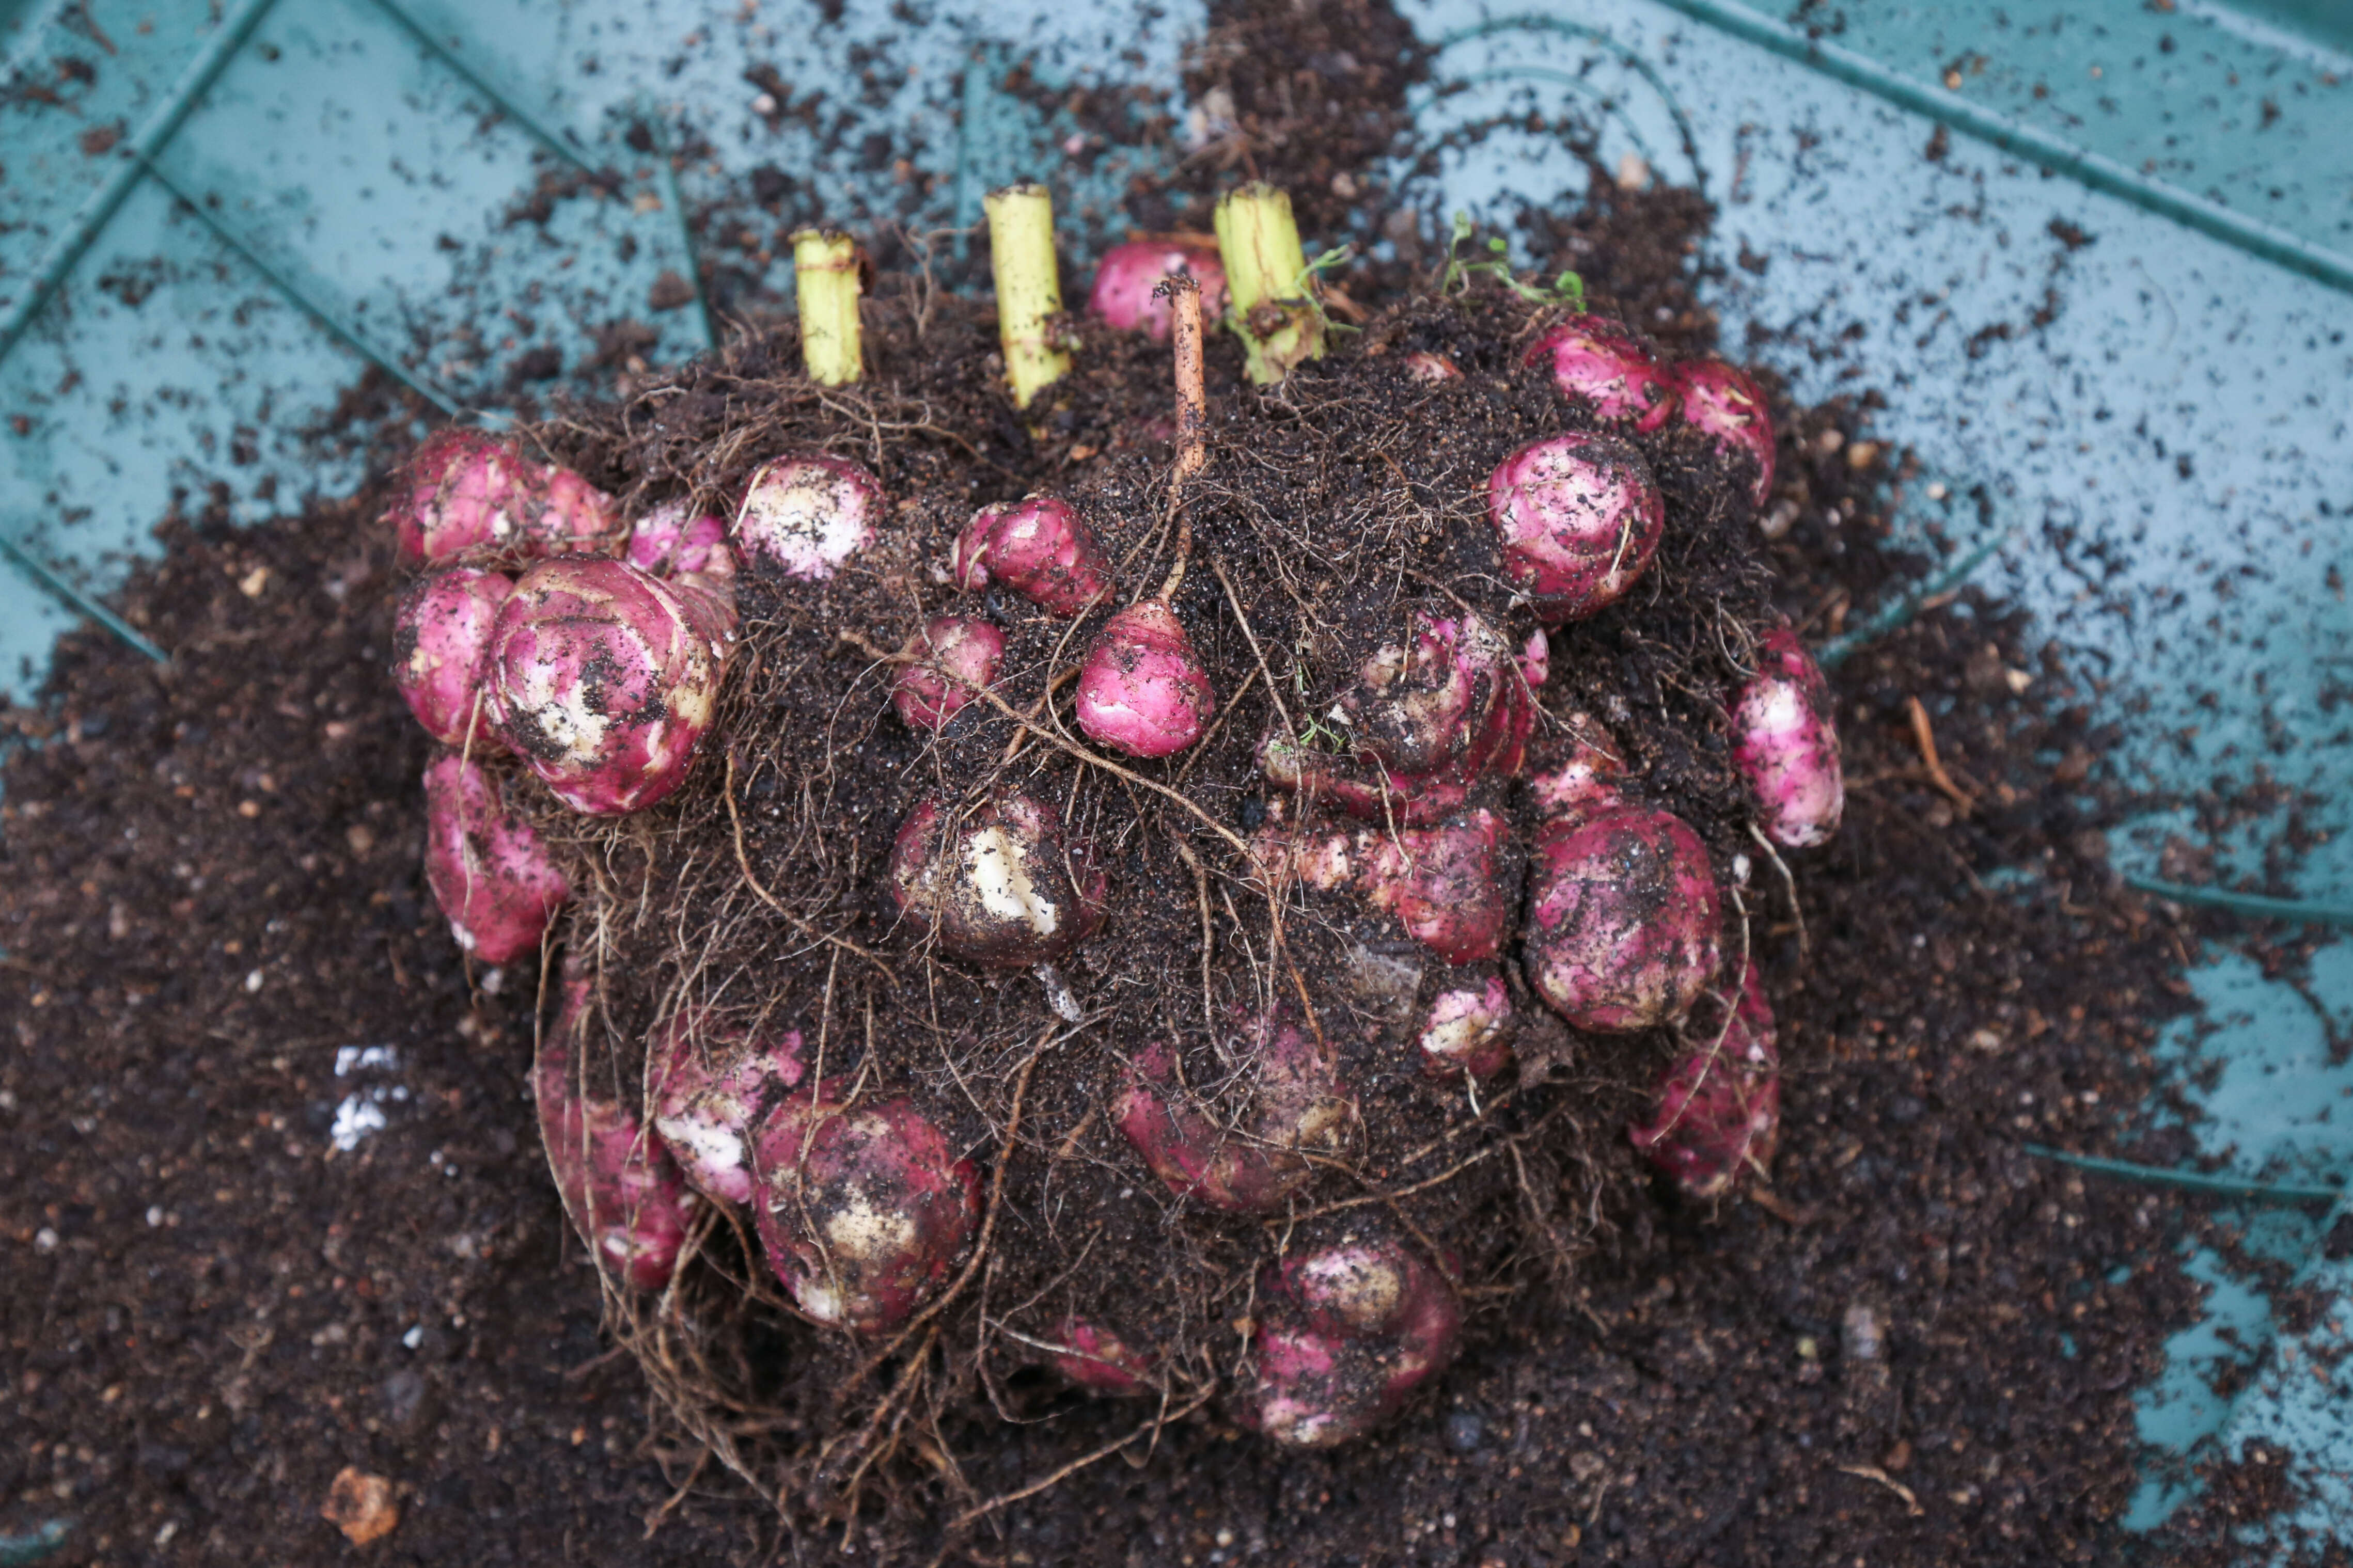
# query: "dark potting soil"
220 956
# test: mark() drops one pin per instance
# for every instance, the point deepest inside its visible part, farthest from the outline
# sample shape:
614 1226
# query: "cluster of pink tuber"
591 650
1605 369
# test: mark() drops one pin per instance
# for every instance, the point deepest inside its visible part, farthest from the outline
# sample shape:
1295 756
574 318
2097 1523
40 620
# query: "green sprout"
1568 289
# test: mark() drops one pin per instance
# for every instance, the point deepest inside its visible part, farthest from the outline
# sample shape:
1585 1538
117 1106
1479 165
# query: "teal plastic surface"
2096 256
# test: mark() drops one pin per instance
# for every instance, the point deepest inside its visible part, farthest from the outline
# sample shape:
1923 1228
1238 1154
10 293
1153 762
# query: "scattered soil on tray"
272 1203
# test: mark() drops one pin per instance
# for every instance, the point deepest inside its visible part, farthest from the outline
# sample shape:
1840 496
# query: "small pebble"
1464 1432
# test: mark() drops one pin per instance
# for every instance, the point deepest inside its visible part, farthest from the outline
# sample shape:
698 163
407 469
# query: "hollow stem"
825 274
1029 287
1266 279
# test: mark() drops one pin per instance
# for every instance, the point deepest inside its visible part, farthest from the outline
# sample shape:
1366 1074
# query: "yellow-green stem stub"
825 273
1029 287
1266 282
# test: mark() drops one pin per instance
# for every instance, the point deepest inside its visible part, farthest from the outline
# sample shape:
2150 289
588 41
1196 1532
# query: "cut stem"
1029 287
825 274
1266 279
1192 415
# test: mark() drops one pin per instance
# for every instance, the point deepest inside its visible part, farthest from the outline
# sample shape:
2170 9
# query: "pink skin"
441 651
1581 772
1444 884
462 490
1786 744
1429 716
1430 368
1728 408
1623 919
1578 517
806 516
487 870
997 885
1598 364
1719 1107
1128 274
572 515
862 1210
1142 690
1299 1107
1099 1361
670 543
707 1089
624 1196
1040 548
1351 1331
1467 1033
965 650
604 679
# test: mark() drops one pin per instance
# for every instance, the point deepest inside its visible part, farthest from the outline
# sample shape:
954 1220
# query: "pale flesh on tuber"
999 884
1466 1032
805 516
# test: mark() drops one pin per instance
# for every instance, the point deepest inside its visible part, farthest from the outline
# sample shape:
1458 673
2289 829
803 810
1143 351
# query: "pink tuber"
707 1089
1349 1331
1099 1361
1128 274
998 884
1038 547
1431 368
1445 884
806 516
1141 690
673 541
965 650
1299 1107
604 679
861 1209
572 514
494 882
1579 517
1600 364
624 1195
1429 716
441 651
1724 404
1624 920
1467 1032
1786 744
460 491
1719 1109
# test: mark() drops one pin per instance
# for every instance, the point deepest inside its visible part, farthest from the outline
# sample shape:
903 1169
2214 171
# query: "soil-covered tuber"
1579 517
1725 405
861 1208
1350 1331
804 517
604 679
1601 365
1624 923
1041 549
495 881
441 652
1297 1108
624 1196
1000 883
948 658
1466 1032
1719 1108
707 1088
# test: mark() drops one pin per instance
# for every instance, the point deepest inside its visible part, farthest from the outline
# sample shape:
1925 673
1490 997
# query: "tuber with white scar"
999 883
